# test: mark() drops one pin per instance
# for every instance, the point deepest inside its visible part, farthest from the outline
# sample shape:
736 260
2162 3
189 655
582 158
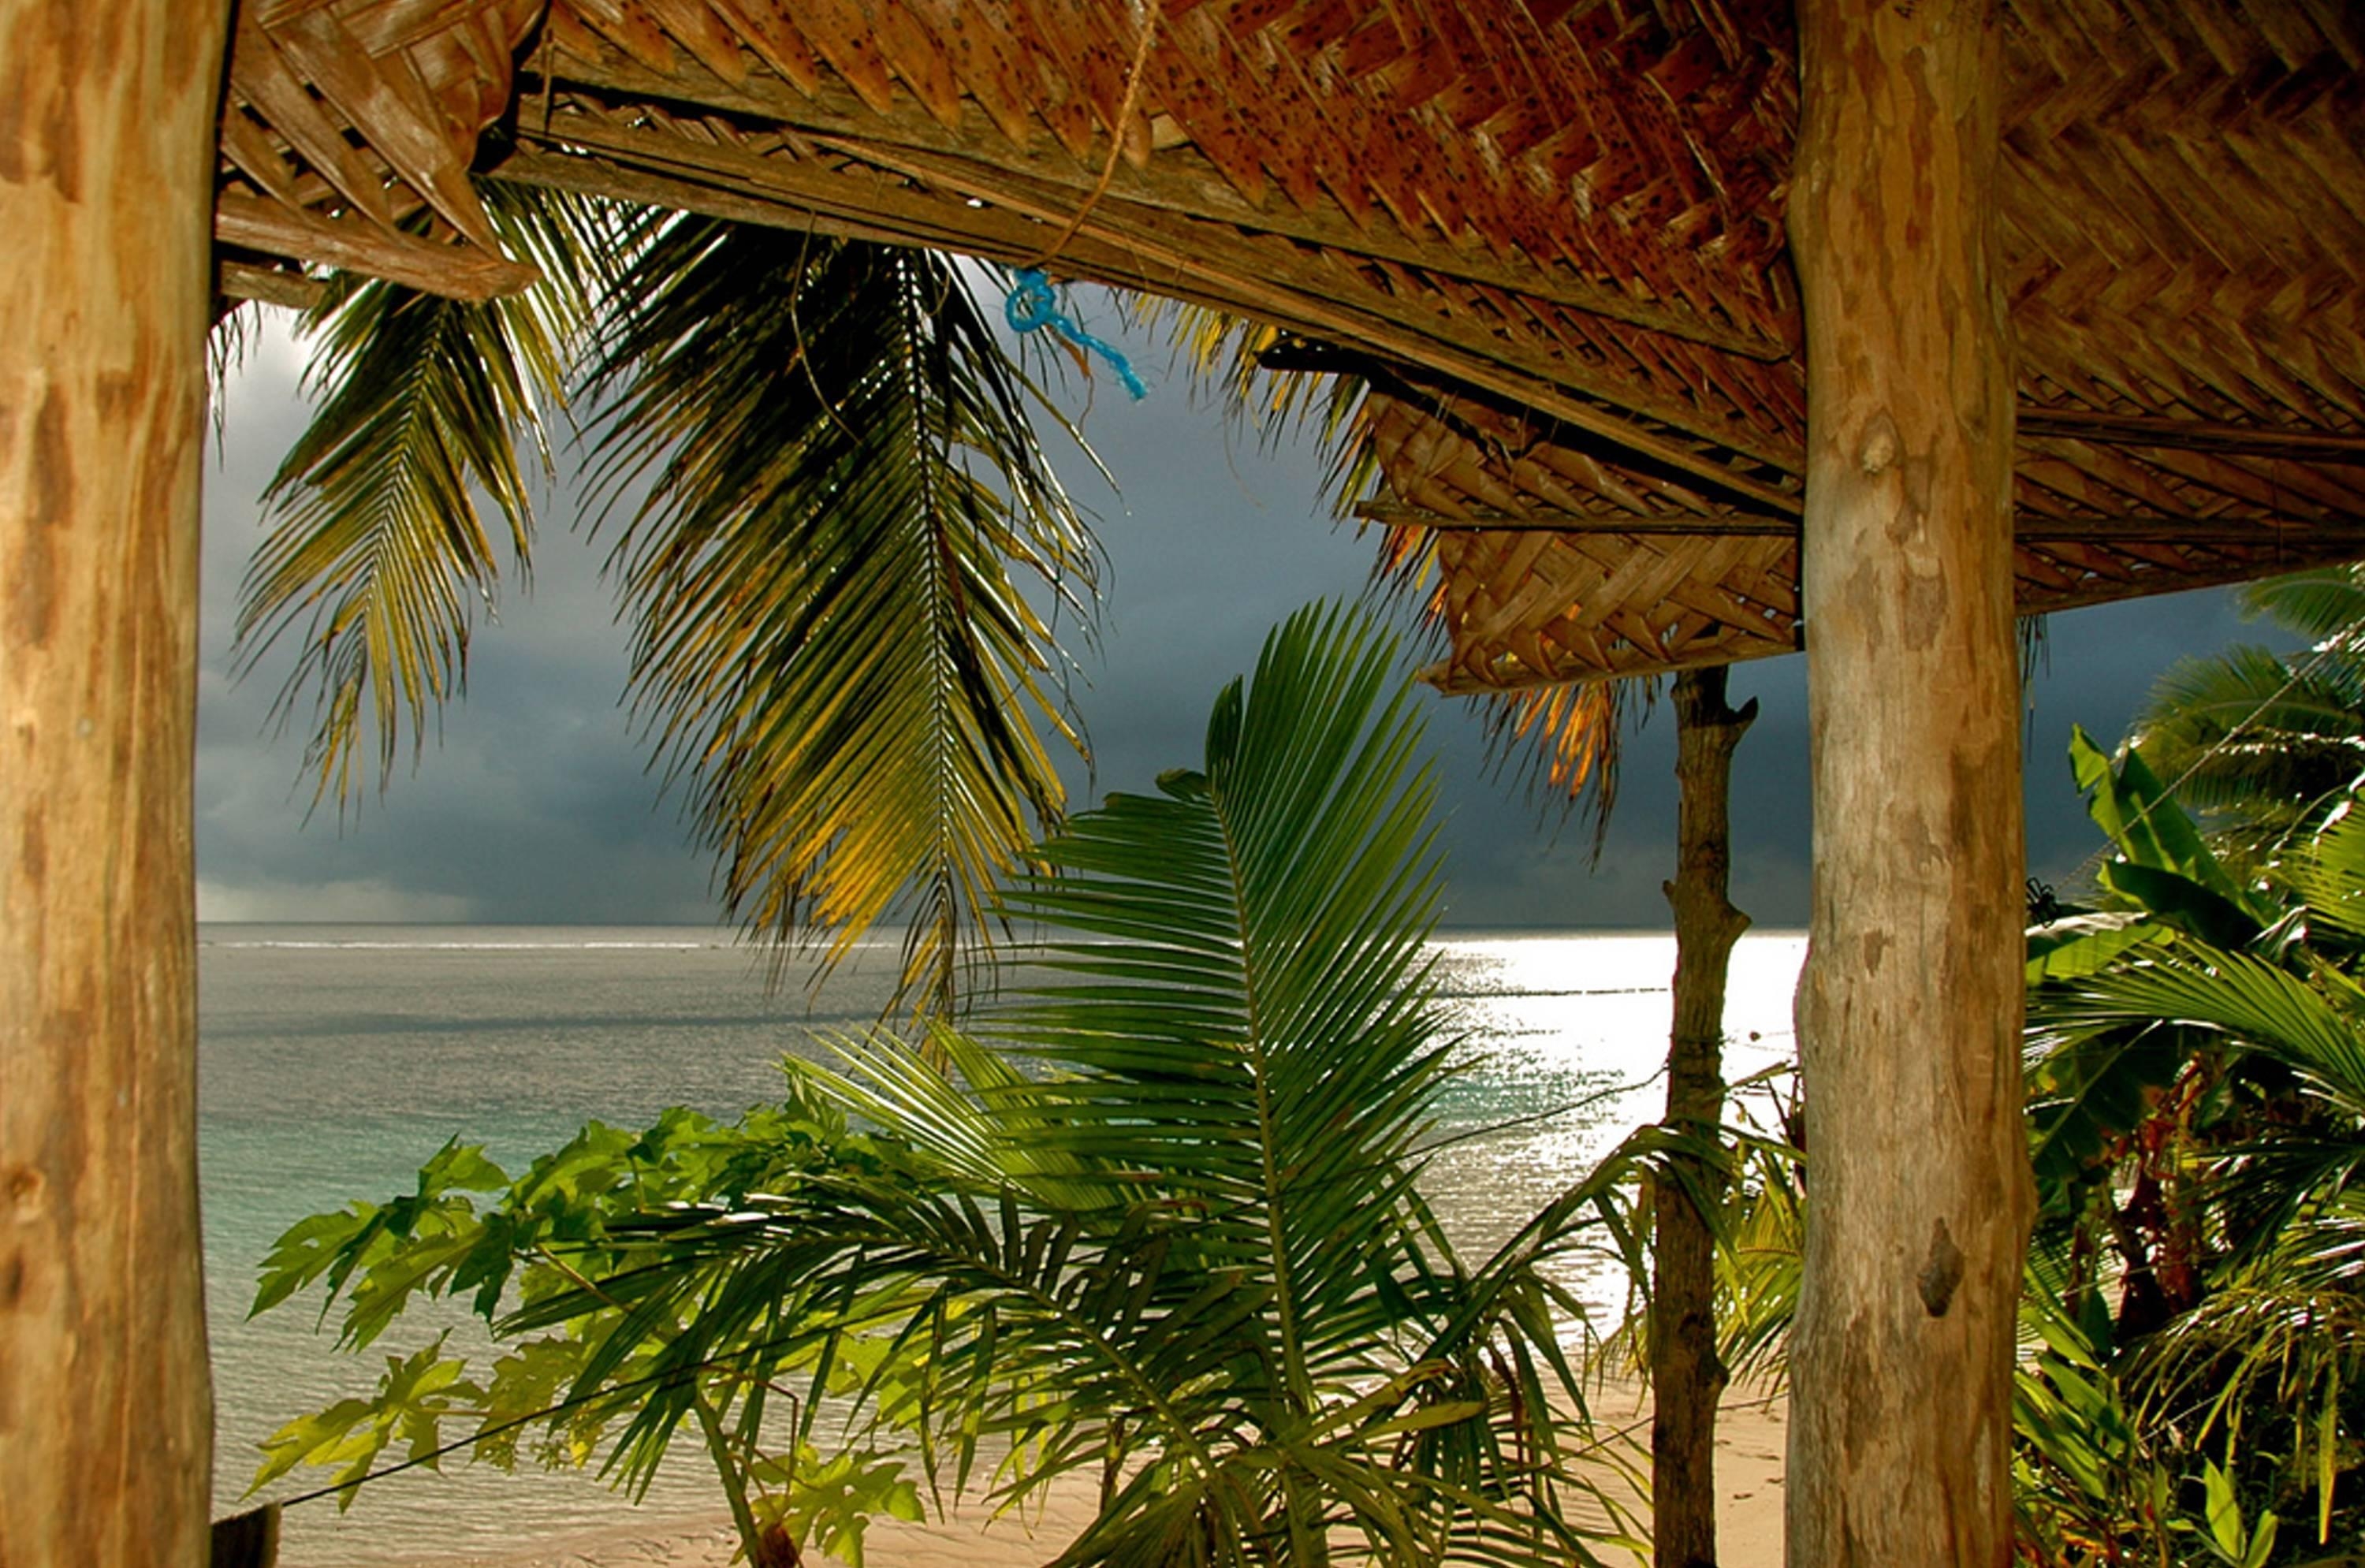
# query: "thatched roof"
1552 229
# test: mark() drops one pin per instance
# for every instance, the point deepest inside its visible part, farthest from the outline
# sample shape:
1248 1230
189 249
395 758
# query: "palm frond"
2322 605
2252 738
1188 1229
1273 1019
2328 875
844 575
378 552
2241 998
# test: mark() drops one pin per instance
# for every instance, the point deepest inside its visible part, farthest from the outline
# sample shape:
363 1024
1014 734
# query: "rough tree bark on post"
106 150
1687 1377
1918 1190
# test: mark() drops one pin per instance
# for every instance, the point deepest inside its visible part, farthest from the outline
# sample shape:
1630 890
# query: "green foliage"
830 1502
377 550
410 1404
2197 1079
844 575
2163 865
2193 1313
830 573
562 1230
1761 1227
2086 1487
1162 1224
2261 745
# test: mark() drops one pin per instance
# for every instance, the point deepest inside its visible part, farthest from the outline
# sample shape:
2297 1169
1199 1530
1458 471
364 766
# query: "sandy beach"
1750 1444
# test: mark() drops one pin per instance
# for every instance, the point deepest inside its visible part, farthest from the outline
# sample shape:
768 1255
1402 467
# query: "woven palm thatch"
1555 225
347 135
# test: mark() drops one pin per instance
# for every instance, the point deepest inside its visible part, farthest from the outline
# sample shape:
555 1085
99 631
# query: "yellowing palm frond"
378 550
843 577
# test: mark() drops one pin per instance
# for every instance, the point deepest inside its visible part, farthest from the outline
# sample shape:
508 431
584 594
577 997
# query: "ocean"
335 1060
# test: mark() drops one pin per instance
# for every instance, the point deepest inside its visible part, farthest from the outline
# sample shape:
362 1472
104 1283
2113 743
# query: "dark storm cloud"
532 803
536 805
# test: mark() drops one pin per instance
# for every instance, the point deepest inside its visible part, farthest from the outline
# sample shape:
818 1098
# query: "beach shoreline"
1752 1434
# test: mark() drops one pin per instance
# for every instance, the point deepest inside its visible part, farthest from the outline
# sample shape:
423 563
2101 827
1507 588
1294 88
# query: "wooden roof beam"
1177 180
1240 275
1452 680
2193 435
2249 533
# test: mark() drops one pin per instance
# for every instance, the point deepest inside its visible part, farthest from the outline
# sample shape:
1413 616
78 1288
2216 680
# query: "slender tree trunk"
1918 1185
106 149
1687 1378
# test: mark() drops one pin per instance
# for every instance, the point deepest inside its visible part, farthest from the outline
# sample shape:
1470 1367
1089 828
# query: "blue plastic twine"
1032 304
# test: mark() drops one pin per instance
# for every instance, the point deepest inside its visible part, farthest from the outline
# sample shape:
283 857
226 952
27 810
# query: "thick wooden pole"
1918 1191
1687 1377
106 152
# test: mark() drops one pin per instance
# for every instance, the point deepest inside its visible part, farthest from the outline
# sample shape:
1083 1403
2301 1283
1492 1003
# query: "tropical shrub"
2188 1387
1161 1224
2197 1080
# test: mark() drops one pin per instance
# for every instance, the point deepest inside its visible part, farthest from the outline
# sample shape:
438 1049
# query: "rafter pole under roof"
1909 1011
105 195
2254 532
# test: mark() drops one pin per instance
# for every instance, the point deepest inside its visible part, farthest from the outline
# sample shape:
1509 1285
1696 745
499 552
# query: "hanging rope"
1125 108
1032 305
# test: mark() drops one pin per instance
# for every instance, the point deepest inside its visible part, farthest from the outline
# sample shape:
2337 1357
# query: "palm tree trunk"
1918 1182
106 153
1687 1378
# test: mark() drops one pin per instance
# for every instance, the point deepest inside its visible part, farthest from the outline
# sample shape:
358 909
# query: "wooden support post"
1687 1376
107 154
1917 1182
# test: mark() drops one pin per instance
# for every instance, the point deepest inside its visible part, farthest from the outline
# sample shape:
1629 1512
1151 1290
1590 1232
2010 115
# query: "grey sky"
536 807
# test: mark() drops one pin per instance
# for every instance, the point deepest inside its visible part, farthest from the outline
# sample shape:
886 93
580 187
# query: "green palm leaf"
2327 603
2328 875
379 552
2264 744
2255 739
1187 1234
2234 994
845 573
1168 1232
841 577
1237 1012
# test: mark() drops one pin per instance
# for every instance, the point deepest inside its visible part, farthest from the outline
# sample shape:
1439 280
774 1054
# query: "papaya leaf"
460 1168
307 1249
831 1501
532 1378
413 1397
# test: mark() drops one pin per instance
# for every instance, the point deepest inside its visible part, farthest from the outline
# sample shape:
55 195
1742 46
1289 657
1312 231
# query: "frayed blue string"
1032 304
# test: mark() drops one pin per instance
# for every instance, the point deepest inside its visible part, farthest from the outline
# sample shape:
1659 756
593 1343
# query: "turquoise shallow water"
334 1060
